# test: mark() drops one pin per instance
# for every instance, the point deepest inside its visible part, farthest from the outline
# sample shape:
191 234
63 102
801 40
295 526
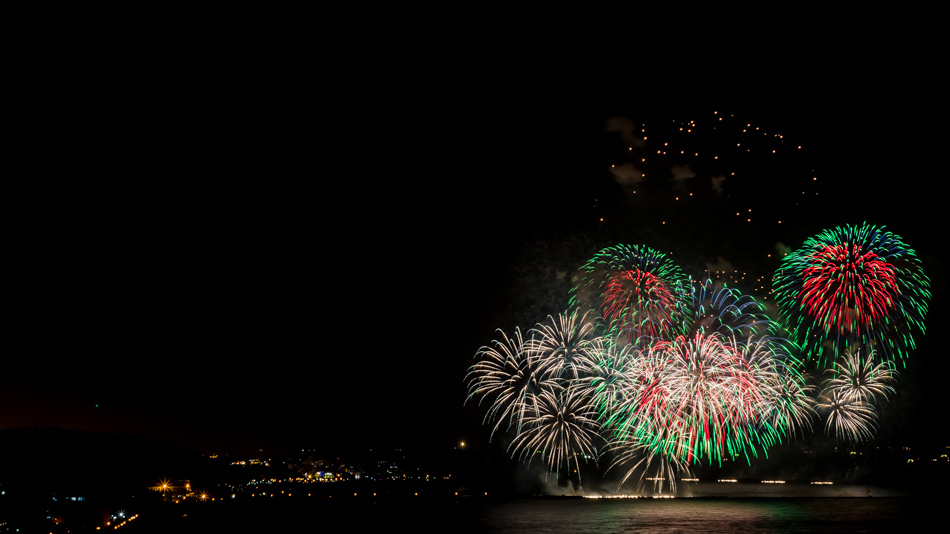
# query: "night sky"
228 264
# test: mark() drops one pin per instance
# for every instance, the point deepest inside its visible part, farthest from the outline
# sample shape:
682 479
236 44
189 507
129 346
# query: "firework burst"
563 428
849 419
709 398
854 286
861 379
848 396
632 288
642 463
566 344
513 374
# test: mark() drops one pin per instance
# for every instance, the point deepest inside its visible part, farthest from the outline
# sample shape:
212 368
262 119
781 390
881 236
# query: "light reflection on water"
471 515
577 516
774 489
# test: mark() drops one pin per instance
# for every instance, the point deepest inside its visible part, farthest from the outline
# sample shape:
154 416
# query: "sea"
787 510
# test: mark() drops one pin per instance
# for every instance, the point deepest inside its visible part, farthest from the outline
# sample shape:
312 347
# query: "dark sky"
229 261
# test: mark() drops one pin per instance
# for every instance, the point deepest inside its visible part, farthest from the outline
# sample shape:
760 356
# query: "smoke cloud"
626 174
720 266
627 129
682 173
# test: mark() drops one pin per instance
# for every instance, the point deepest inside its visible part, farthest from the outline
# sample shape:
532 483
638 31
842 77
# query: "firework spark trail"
789 407
654 467
853 286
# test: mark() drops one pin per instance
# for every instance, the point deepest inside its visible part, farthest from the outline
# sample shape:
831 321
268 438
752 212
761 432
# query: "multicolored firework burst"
664 373
707 399
712 307
851 287
632 287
